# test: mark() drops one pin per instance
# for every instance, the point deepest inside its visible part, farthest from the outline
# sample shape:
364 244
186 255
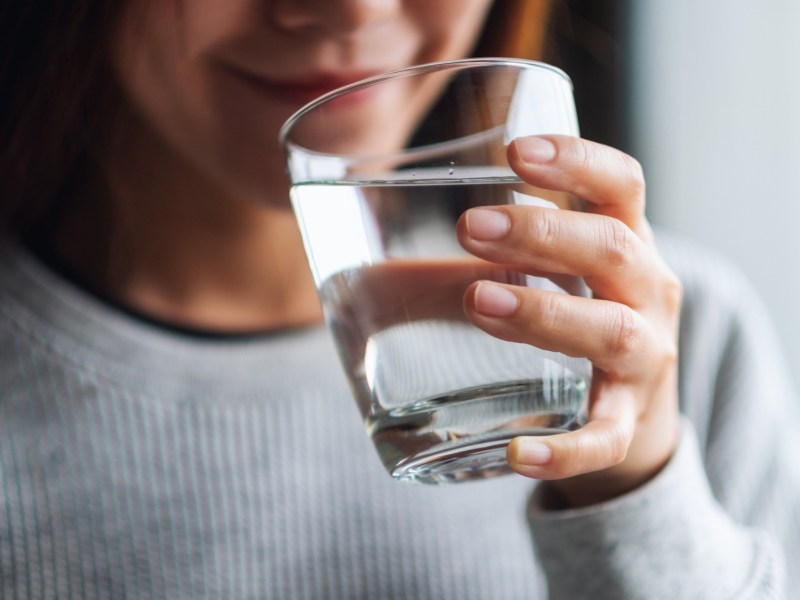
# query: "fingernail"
495 301
486 225
533 453
535 149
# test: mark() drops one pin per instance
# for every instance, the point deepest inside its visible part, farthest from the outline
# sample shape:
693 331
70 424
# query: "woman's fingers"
610 181
628 329
602 443
615 263
615 452
617 339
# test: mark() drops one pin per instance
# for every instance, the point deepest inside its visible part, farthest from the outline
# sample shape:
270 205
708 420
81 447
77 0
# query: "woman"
175 423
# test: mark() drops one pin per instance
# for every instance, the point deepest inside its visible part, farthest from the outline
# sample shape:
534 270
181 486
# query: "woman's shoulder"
714 288
728 343
705 273
719 302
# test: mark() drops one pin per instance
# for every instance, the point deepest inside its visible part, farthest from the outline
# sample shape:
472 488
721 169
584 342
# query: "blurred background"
707 96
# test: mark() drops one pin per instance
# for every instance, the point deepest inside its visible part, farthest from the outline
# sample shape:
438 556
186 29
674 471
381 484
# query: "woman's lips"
302 91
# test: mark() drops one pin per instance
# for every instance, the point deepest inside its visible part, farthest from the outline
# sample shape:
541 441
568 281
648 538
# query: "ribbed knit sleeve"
668 540
722 520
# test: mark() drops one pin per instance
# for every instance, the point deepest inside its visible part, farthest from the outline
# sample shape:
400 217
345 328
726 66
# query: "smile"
302 91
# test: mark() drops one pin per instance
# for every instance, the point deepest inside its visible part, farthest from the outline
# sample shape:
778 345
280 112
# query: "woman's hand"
628 329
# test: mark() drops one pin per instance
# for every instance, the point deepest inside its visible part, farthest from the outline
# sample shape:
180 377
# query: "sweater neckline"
51 262
90 333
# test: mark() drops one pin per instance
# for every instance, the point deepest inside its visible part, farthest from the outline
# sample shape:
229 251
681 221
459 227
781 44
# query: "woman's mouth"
303 90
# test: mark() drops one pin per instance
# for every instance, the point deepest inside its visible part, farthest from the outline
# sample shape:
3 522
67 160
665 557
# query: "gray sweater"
136 462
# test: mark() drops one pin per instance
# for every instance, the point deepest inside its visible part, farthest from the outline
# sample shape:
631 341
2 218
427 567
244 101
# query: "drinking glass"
380 172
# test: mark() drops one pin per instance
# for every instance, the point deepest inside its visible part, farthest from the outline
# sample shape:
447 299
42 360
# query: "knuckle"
617 441
549 310
583 153
616 242
623 332
585 453
669 353
672 297
544 228
633 175
572 455
672 292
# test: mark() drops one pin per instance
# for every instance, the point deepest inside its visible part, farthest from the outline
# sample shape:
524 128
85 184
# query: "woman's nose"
334 15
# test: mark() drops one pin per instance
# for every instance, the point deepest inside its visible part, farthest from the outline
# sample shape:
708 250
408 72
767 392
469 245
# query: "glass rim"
410 71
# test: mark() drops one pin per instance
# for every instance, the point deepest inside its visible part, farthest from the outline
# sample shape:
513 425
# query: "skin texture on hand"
628 329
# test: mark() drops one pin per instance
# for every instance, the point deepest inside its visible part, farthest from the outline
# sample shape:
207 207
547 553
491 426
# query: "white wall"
716 87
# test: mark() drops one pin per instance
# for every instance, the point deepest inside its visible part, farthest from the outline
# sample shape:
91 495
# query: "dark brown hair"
59 99
515 29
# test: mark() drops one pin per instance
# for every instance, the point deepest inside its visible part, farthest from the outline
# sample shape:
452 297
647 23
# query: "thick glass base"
465 435
458 463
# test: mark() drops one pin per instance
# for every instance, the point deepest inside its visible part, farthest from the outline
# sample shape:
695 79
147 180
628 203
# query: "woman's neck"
173 246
